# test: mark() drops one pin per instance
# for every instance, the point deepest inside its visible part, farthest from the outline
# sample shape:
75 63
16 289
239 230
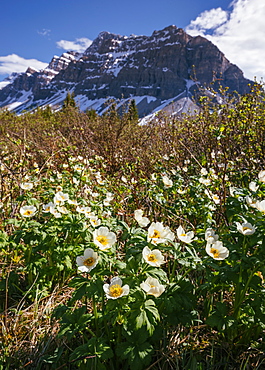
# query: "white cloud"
78 45
210 19
44 32
239 33
15 63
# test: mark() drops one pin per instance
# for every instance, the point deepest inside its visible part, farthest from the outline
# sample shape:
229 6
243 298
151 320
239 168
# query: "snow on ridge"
4 84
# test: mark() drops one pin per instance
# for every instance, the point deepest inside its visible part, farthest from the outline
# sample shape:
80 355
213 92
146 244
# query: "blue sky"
32 31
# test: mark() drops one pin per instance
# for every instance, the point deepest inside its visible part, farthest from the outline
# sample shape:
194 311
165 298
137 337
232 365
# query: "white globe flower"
167 181
153 257
104 238
88 261
152 286
60 197
157 233
261 176
210 236
245 228
253 186
94 220
26 185
142 221
217 251
50 207
260 205
183 236
115 289
28 211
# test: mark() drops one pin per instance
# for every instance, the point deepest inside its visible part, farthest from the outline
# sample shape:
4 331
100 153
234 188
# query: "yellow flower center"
27 213
183 234
215 252
89 261
152 257
156 234
115 290
245 228
102 239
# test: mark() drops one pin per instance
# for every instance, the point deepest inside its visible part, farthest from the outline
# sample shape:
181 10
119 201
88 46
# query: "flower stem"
95 311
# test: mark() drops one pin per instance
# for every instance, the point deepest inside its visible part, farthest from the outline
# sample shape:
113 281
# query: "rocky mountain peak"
154 70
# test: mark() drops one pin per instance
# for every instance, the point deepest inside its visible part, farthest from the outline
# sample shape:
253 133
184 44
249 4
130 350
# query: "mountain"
166 67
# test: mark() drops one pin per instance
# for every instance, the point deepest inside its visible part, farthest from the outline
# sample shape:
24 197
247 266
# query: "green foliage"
143 292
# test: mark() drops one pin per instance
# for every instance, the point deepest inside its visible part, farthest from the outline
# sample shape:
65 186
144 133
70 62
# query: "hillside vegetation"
133 247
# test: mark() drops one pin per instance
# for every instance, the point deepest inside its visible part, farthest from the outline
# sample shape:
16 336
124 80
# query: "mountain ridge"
154 70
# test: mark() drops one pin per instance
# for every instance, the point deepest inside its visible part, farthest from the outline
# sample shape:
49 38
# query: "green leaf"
139 355
95 347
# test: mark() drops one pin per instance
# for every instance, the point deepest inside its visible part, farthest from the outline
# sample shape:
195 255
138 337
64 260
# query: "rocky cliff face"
152 69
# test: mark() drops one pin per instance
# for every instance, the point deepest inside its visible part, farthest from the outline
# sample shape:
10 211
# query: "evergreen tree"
92 114
69 101
133 111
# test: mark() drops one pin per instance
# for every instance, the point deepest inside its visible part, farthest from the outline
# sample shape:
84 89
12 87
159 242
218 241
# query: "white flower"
251 202
108 199
60 197
50 207
204 172
78 168
167 181
110 196
153 257
142 221
76 181
104 238
88 261
261 176
182 190
100 181
28 211
260 205
210 236
183 236
74 202
152 286
83 209
56 214
232 191
94 220
26 185
204 181
217 250
245 228
157 233
115 289
212 196
62 209
253 186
